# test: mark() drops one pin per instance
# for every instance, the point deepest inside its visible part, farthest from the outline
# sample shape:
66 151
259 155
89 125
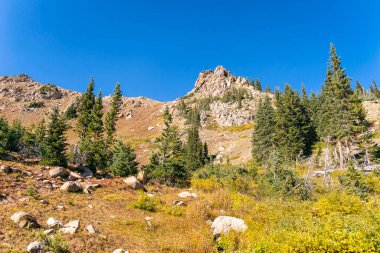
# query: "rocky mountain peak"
216 82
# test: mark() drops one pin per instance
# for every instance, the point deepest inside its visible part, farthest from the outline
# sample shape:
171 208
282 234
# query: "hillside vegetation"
311 183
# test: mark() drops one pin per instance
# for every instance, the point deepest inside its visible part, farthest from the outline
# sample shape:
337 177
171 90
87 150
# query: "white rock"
74 176
141 176
132 182
150 128
119 251
223 224
90 228
24 220
53 223
71 227
35 247
187 194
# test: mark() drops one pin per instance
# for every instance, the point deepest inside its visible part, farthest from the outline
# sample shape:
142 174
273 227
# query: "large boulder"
71 227
133 183
73 176
141 176
35 247
223 225
24 220
58 172
71 187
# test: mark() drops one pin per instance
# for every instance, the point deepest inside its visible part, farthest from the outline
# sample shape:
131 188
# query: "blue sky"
157 48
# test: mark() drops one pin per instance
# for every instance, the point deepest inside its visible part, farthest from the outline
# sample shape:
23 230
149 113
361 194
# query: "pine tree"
342 114
359 90
123 162
268 89
111 117
85 107
96 155
293 126
263 134
170 145
194 146
257 85
4 136
54 145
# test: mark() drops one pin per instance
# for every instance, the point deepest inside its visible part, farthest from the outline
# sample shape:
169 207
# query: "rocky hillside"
227 104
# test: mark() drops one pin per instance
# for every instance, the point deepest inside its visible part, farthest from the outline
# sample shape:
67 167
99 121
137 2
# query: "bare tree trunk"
341 155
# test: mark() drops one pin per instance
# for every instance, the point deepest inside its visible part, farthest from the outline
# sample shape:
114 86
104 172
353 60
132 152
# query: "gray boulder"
133 183
35 247
71 227
58 172
71 187
24 220
223 225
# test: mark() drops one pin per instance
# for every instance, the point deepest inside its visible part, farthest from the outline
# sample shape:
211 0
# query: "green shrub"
147 203
36 104
123 161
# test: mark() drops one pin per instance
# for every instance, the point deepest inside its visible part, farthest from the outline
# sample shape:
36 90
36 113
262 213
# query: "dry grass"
120 224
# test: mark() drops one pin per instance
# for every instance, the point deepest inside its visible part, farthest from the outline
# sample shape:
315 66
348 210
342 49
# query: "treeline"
288 126
98 148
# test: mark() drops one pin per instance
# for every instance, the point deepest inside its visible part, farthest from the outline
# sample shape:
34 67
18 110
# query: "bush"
172 172
283 182
35 104
353 181
147 203
123 162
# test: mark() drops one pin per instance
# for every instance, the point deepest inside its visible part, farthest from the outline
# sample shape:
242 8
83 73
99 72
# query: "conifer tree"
263 133
359 90
85 107
268 89
111 117
96 155
54 145
341 114
293 127
123 161
169 141
257 85
194 146
4 136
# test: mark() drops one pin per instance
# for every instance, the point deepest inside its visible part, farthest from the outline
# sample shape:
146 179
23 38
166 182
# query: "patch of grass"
238 128
114 197
213 126
146 203
32 192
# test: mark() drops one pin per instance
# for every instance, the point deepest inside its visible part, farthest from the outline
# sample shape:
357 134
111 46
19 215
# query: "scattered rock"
141 176
58 172
132 182
74 176
71 227
71 187
53 223
150 128
119 251
90 228
187 194
179 203
60 208
24 220
35 247
223 224
48 231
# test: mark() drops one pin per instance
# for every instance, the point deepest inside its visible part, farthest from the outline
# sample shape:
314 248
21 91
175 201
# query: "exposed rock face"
133 183
215 83
223 225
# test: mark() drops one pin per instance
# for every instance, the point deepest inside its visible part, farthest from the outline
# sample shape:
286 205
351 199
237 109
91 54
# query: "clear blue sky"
157 48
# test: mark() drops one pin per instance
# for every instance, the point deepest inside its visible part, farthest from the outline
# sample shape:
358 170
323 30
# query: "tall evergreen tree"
123 161
170 145
111 117
85 107
263 133
194 146
54 145
257 85
293 126
342 114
